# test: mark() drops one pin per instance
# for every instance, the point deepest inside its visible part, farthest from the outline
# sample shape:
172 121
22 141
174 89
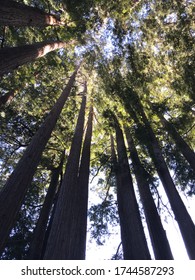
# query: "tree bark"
37 242
157 233
17 14
61 244
51 219
182 216
132 233
82 197
13 57
182 146
12 195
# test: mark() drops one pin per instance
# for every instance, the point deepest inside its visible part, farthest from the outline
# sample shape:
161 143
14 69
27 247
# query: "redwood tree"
12 195
17 14
61 243
132 232
13 57
157 233
181 144
182 216
82 192
36 245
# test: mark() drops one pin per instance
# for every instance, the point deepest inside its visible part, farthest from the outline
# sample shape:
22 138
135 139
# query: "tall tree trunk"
182 216
61 241
13 57
158 236
51 218
183 147
37 242
82 197
132 233
17 14
12 195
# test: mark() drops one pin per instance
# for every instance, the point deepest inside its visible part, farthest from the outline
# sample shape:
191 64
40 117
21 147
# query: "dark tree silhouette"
158 236
132 233
61 242
36 245
12 195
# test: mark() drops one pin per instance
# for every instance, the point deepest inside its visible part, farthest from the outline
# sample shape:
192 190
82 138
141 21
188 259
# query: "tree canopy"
133 62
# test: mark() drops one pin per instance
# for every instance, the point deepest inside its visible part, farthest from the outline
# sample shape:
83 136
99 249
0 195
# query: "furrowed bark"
132 233
13 57
37 242
13 193
60 245
17 14
157 233
82 198
182 216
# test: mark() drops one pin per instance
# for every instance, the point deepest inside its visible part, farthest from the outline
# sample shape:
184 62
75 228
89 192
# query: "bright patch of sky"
171 18
109 248
103 39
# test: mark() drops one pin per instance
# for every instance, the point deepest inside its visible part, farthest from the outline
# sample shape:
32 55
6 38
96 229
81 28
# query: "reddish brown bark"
13 193
36 246
17 14
13 57
157 233
61 241
182 216
132 233
82 198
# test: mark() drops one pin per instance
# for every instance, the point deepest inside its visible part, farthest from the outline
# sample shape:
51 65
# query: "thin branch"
117 251
189 130
99 168
161 202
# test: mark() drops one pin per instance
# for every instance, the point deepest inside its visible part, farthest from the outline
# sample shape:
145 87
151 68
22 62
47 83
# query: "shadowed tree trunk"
132 233
13 57
17 14
182 216
12 195
61 242
179 141
158 236
37 242
51 218
82 198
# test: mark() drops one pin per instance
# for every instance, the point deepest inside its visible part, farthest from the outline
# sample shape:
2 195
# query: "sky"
106 251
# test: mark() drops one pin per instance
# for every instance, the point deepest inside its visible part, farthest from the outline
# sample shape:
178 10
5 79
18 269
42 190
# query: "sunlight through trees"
96 127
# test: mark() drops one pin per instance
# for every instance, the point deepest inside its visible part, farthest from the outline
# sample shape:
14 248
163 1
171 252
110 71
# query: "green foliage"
132 51
21 235
103 217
